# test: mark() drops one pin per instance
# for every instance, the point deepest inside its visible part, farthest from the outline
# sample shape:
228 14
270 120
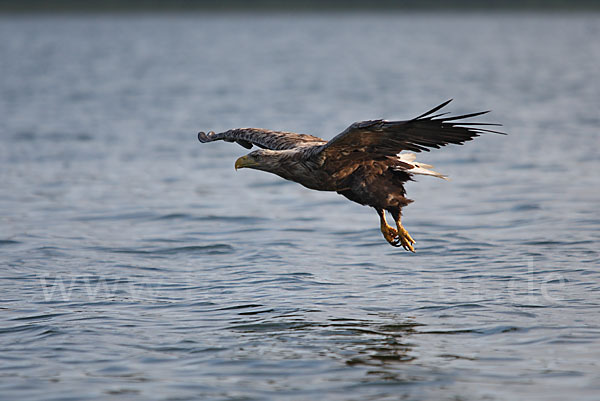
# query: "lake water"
137 264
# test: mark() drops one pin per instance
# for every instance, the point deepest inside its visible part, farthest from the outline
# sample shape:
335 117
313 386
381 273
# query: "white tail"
416 168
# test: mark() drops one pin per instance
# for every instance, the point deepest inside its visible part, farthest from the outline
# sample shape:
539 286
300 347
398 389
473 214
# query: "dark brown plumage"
363 163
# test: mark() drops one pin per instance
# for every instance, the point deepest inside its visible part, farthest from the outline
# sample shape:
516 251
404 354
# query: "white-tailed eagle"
363 163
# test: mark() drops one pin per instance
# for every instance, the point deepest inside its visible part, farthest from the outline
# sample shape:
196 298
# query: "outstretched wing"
388 138
266 139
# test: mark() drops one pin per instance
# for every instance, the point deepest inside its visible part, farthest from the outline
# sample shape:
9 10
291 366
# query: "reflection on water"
138 264
377 347
382 346
352 341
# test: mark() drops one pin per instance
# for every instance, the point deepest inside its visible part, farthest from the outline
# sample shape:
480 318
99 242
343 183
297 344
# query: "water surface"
137 264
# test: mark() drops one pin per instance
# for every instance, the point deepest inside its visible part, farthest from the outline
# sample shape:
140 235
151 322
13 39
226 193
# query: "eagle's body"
363 163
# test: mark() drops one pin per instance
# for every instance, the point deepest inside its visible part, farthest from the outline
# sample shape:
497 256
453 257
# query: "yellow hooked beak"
244 161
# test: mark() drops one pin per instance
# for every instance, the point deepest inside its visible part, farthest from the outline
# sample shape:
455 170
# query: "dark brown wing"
388 138
274 140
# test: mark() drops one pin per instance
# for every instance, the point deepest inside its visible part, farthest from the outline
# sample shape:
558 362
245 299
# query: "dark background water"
137 264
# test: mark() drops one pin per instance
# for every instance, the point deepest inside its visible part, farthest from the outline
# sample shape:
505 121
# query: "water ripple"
137 264
214 249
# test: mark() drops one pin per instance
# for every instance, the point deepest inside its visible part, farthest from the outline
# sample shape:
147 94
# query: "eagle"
364 163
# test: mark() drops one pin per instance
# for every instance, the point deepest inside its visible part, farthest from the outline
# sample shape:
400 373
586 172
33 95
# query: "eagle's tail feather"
409 165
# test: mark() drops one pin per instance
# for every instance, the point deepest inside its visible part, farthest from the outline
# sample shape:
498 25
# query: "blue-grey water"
137 264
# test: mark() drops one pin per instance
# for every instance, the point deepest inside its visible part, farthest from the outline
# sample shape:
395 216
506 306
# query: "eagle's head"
262 159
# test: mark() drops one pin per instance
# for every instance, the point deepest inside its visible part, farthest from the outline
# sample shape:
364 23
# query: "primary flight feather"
363 163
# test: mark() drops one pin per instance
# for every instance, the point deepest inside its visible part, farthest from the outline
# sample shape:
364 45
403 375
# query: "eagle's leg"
404 237
389 232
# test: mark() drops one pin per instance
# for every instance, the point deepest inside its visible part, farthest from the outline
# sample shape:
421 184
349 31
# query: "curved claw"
405 239
391 235
400 239
396 237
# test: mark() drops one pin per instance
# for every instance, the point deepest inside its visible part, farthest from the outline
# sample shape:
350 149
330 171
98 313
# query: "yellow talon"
396 237
404 238
390 234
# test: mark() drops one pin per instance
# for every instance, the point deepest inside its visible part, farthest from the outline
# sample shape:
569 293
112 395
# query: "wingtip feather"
202 137
433 110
